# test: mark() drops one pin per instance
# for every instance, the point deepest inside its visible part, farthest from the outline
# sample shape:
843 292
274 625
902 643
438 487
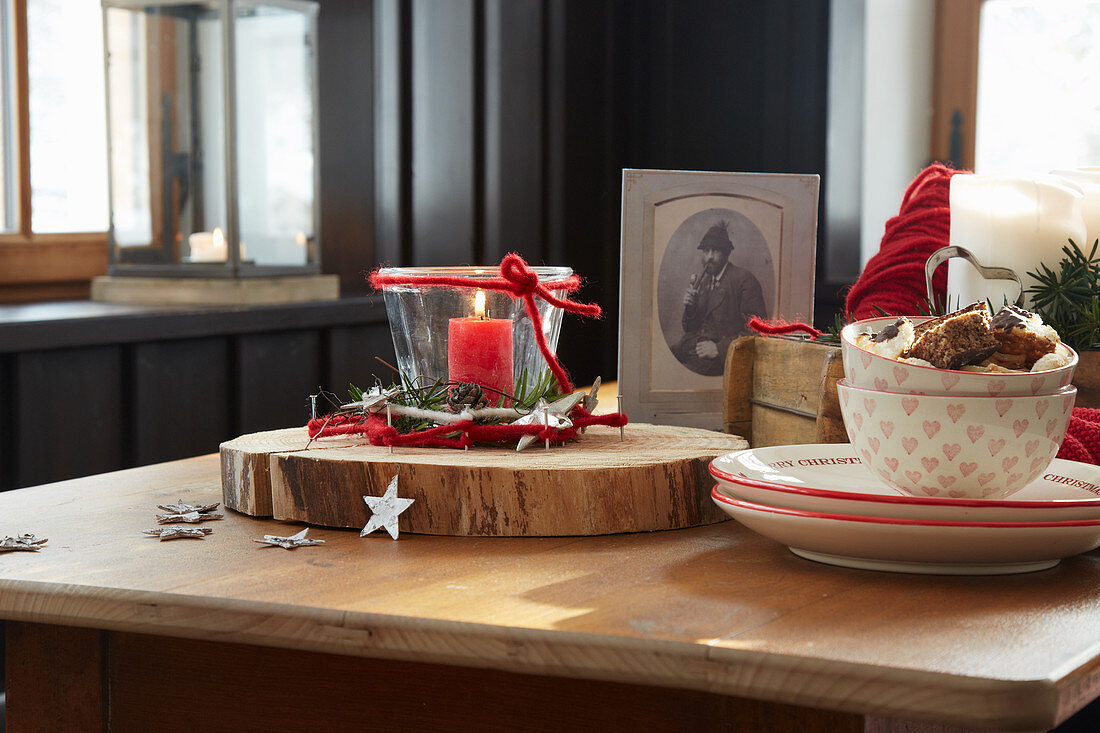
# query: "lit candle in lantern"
479 350
1008 222
208 246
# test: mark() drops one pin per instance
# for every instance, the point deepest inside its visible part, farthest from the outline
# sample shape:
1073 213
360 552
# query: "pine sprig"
431 396
544 388
832 334
1068 298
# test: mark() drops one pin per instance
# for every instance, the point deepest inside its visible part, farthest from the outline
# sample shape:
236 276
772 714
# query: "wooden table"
690 629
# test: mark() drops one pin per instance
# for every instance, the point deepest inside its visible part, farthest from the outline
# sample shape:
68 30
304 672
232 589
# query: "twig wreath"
457 415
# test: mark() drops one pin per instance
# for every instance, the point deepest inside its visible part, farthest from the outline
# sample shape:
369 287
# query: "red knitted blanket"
1082 442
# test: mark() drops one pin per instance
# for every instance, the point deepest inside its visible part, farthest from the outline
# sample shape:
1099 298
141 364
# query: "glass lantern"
212 131
465 334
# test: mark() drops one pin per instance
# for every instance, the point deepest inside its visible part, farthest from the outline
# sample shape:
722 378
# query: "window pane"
67 116
8 208
275 134
126 43
1038 86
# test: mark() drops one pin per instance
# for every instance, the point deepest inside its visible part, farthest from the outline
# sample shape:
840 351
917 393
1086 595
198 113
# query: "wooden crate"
1087 379
782 391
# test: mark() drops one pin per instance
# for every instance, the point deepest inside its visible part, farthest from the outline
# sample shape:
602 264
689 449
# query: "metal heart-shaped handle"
943 254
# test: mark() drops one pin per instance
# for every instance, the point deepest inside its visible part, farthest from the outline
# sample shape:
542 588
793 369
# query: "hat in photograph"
717 238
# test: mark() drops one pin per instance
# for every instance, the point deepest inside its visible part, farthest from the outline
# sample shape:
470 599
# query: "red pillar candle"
479 350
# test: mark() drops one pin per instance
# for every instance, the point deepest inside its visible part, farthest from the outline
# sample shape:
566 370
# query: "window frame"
37 266
955 81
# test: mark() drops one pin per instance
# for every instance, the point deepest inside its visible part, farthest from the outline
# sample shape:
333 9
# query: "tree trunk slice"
656 479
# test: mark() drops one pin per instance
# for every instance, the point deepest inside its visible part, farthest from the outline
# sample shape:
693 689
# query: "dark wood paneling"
141 387
393 141
585 164
513 136
56 679
276 373
182 398
7 425
71 413
346 156
38 326
704 85
352 358
443 132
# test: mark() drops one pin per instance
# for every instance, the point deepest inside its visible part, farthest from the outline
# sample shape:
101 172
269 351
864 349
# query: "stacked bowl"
948 471
964 434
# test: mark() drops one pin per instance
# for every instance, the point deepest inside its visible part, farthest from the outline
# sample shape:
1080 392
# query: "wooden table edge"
817 683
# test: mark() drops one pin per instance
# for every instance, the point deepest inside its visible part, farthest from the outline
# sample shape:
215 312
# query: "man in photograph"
717 305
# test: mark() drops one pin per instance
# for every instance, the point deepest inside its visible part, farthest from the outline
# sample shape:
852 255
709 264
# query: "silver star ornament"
22 543
289 543
178 533
189 513
373 400
386 509
553 415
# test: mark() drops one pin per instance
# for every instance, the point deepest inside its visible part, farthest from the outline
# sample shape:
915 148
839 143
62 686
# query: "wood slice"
655 479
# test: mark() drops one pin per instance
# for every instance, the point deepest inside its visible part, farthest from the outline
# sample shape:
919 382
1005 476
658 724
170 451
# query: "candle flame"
479 304
218 238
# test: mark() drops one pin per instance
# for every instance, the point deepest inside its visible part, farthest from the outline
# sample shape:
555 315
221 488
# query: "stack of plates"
825 505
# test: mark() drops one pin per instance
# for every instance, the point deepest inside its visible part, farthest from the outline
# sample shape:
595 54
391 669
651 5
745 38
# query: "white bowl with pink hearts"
962 447
869 370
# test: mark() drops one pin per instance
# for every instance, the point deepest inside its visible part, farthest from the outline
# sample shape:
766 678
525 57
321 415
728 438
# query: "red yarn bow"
520 281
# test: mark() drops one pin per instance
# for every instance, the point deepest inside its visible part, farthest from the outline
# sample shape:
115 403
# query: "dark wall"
504 125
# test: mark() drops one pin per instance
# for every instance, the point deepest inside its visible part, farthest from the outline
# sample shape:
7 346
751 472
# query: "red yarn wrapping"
893 279
1082 441
457 435
520 281
781 328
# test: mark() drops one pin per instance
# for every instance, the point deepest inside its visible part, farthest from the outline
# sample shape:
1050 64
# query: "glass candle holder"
462 333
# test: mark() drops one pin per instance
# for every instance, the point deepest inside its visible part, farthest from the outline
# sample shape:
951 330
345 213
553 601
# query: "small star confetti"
22 543
289 543
189 513
178 533
386 508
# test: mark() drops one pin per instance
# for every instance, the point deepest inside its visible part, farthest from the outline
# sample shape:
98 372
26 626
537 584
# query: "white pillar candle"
207 246
1088 180
1008 222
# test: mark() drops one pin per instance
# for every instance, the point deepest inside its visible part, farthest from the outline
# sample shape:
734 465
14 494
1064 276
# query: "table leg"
54 678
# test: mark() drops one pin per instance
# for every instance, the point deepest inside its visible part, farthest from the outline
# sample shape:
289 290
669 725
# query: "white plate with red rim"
832 478
916 545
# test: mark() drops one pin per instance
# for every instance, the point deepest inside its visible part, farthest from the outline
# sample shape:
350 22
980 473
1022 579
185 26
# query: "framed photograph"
701 254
